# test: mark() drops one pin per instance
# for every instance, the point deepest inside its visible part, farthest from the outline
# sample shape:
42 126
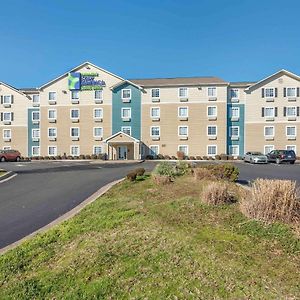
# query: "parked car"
279 156
10 155
255 158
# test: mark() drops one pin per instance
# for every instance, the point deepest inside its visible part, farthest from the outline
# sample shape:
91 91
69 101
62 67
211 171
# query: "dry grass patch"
217 193
202 174
272 200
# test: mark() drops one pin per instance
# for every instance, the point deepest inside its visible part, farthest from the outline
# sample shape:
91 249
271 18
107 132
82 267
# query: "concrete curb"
8 176
65 216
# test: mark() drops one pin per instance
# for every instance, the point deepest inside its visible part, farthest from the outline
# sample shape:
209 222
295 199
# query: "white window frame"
234 146
151 110
74 109
55 113
212 134
154 146
265 92
122 94
123 109
97 146
286 130
97 136
155 89
126 127
151 127
272 135
295 146
55 96
265 146
94 113
72 147
234 127
237 93
187 130
35 130
6 130
187 149
237 109
295 111
72 93
273 109
289 88
32 151
212 88
9 97
208 146
55 152
187 111
9 114
181 89
52 136
33 113
95 92
216 109
34 96
74 136
6 147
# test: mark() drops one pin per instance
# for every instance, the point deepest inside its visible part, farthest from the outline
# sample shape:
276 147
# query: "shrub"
223 171
131 176
149 156
81 156
139 171
41 157
217 193
46 157
181 168
165 168
218 157
192 158
180 155
224 157
272 200
202 174
58 157
160 156
230 157
162 179
199 157
88 156
173 157
167 157
205 158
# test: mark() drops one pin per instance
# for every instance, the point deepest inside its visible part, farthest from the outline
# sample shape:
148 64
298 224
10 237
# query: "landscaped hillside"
143 240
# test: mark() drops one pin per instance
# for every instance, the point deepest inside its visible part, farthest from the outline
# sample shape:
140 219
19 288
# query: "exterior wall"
32 125
134 104
18 125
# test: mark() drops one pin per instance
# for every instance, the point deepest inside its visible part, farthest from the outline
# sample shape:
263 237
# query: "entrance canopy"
123 146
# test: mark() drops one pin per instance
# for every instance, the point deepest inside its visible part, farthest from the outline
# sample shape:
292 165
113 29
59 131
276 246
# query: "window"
211 150
52 150
269 92
234 150
155 131
98 113
291 111
74 131
183 130
234 131
234 93
126 113
35 98
52 96
7 116
74 114
35 116
154 150
155 112
290 131
211 111
6 133
52 114
183 112
52 132
155 93
212 92
291 92
7 99
98 132
183 92
184 149
75 150
99 94
268 149
291 147
126 129
235 112
269 111
75 95
35 150
97 150
126 94
269 131
6 148
212 130
35 133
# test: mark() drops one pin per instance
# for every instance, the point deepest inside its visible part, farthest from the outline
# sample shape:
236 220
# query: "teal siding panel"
30 127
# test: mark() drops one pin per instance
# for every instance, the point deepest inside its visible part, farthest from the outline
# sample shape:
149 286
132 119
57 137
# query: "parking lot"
43 191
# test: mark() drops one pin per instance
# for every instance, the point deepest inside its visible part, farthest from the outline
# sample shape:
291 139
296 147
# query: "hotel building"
89 110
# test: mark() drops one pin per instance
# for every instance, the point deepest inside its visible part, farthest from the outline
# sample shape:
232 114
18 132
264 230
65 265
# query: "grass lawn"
2 173
155 242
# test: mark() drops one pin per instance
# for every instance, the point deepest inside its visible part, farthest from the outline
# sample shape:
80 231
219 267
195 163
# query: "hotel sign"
85 81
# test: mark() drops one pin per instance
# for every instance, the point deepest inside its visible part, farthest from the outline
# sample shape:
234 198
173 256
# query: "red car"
10 155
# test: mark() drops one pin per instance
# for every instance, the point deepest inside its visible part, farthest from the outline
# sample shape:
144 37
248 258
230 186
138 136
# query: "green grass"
143 241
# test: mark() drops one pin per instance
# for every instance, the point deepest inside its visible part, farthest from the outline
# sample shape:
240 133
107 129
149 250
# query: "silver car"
255 158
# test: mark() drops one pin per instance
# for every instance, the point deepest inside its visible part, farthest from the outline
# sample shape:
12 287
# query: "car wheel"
2 159
277 161
292 162
18 158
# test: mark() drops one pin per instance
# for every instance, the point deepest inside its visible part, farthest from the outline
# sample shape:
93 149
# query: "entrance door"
122 152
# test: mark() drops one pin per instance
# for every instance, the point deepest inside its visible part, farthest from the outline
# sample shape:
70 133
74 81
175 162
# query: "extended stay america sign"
85 81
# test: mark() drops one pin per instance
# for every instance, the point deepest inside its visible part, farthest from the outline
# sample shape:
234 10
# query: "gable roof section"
118 133
123 82
281 72
13 88
179 81
78 67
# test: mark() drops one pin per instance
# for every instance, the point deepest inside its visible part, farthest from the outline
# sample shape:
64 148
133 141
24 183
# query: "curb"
7 176
68 215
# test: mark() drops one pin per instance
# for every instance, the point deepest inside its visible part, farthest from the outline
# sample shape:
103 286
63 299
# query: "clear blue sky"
233 39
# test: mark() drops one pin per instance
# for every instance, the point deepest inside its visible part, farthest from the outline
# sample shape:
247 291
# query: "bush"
217 193
272 200
88 156
181 168
180 155
149 156
205 158
167 157
224 157
164 168
162 179
160 156
199 157
192 158
202 174
58 157
131 176
224 171
81 156
139 171
174 157
218 157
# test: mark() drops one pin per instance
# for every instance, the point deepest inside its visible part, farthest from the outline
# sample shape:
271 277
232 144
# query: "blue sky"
234 39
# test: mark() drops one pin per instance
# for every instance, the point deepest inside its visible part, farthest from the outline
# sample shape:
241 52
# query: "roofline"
13 88
79 66
183 85
266 78
120 132
124 81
